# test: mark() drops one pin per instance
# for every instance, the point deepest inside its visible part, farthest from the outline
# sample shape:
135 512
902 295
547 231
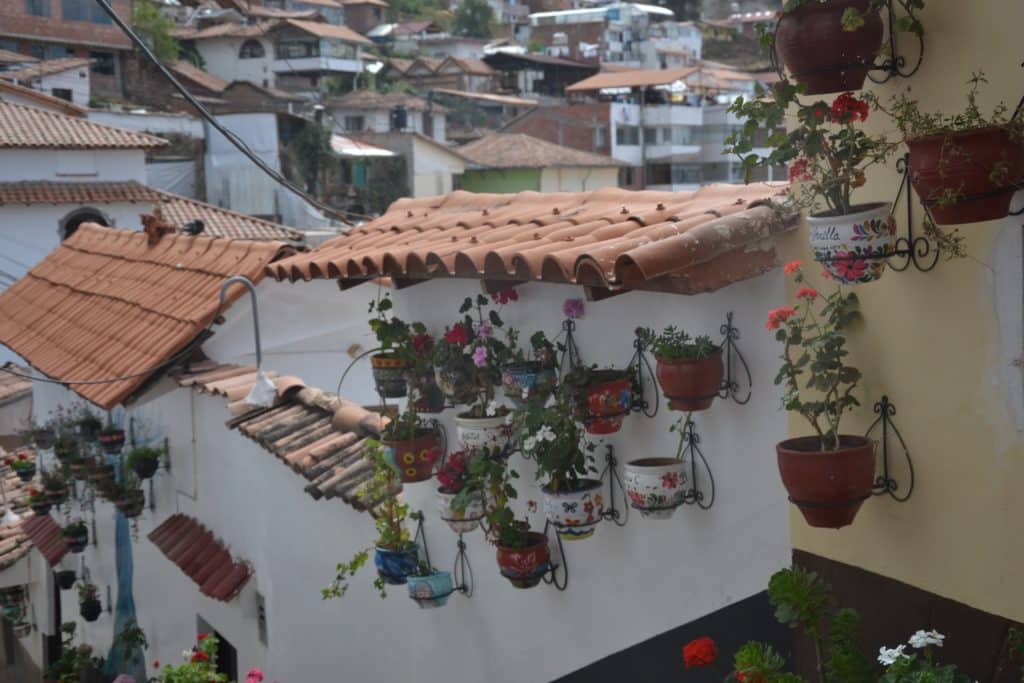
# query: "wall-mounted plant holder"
612 513
551 575
691 452
643 374
884 482
434 590
571 352
730 386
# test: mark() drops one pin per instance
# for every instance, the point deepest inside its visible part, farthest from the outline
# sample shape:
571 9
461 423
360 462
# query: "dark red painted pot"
524 567
961 165
820 54
413 458
691 384
828 486
609 400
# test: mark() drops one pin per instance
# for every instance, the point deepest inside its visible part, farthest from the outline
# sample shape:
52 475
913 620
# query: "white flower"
508 419
545 433
492 408
187 654
529 444
887 657
526 394
925 638
467 350
550 402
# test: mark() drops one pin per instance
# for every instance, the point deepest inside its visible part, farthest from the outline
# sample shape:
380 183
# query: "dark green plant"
53 480
140 453
759 662
87 591
473 19
392 332
110 428
310 153
131 640
546 430
490 479
75 529
675 344
156 29
75 661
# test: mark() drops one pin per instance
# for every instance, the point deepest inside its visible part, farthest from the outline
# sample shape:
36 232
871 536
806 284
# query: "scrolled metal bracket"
613 513
641 366
895 64
550 577
690 448
730 385
884 482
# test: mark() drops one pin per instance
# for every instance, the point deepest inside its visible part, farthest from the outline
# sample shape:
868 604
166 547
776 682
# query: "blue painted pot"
431 591
521 381
394 566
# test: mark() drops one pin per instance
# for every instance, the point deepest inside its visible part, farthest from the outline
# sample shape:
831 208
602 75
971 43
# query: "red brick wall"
16 23
571 125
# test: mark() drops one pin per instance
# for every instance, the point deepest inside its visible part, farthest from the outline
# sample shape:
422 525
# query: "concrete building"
364 111
66 79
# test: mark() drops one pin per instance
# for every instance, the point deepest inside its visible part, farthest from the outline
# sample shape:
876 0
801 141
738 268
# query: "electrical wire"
231 137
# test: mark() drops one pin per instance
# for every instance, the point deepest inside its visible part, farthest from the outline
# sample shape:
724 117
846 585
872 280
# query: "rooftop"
111 303
518 150
34 128
32 192
702 75
274 13
204 559
45 68
227 30
476 67
368 99
17 92
608 240
13 386
487 97
328 31
203 79
220 222
8 57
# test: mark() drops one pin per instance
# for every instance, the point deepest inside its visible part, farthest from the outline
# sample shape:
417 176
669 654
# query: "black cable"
239 144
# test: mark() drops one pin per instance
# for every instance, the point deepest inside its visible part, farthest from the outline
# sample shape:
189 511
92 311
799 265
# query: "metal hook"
242 280
617 516
884 483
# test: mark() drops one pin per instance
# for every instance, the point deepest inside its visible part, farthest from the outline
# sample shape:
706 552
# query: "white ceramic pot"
853 247
482 432
460 522
575 514
655 486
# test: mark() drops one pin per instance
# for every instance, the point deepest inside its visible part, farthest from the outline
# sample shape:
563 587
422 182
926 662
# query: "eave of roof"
46 101
28 127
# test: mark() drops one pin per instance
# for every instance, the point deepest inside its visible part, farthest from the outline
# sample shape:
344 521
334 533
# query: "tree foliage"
155 28
473 19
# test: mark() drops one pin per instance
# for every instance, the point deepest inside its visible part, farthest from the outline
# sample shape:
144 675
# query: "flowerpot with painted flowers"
452 476
829 156
689 369
89 605
656 486
411 445
965 166
111 439
144 461
601 397
76 535
829 474
22 466
530 373
389 366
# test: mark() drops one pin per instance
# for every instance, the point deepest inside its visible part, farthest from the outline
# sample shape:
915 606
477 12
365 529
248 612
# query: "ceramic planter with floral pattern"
655 486
413 459
395 566
525 567
460 521
456 384
521 381
853 247
483 433
575 513
431 591
389 375
605 401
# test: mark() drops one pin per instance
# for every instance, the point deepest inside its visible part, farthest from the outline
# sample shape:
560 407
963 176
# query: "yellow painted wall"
931 342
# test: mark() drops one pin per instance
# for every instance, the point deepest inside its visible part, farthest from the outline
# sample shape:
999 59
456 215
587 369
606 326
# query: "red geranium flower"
798 170
200 656
423 344
792 267
156 664
825 274
505 296
808 293
457 335
201 637
700 652
847 108
778 316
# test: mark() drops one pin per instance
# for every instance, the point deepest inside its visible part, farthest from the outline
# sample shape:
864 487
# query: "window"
251 49
67 226
297 49
37 8
36 50
343 50
686 174
9 45
627 135
83 10
62 93
354 124
650 136
102 63
599 135
685 135
627 176
59 51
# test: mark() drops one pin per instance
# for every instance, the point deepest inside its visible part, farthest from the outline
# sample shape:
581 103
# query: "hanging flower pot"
818 50
967 176
691 384
90 609
482 433
524 567
605 400
22 629
460 521
655 486
24 468
575 512
389 375
522 381
66 449
57 496
430 398
111 440
828 486
395 566
65 578
432 590
40 503
82 469
43 437
413 459
76 535
144 461
853 247
102 474
12 597
14 612
132 504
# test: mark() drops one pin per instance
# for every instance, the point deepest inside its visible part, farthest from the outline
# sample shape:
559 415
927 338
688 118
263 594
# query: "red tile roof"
204 559
328 31
8 57
518 150
225 30
47 536
106 303
13 387
218 222
34 128
44 68
370 100
203 79
315 433
29 192
41 98
475 67
611 239
14 541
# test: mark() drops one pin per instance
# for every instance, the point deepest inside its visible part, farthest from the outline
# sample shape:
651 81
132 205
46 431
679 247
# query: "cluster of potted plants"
76 664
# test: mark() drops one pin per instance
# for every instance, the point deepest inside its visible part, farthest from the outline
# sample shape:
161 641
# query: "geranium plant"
200 664
546 430
453 473
490 478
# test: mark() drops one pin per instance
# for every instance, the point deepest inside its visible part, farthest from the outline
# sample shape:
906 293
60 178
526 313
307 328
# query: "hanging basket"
395 566
413 459
828 486
26 473
432 590
523 381
389 375
853 247
605 401
77 544
575 512
145 468
525 567
66 578
691 384
655 486
90 609
112 441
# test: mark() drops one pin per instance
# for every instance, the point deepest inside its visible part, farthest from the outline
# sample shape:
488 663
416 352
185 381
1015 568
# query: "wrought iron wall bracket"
550 577
690 447
730 385
884 482
613 513
462 572
640 366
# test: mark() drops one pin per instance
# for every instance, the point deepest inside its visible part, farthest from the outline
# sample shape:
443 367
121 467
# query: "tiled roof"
204 559
226 30
14 542
218 222
634 78
378 3
13 387
608 240
45 68
400 65
431 64
518 150
106 303
412 27
274 13
47 536
488 97
35 128
315 433
203 79
41 98
30 192
329 31
475 67
8 57
266 90
368 99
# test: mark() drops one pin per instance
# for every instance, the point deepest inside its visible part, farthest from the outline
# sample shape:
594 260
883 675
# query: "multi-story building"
66 78
56 29
365 111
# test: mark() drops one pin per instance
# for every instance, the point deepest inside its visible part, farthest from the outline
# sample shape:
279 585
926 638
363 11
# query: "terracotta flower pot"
575 513
521 381
852 247
828 486
823 56
431 591
389 375
961 165
395 566
90 609
655 486
524 567
413 459
490 433
691 385
460 521
608 399
112 442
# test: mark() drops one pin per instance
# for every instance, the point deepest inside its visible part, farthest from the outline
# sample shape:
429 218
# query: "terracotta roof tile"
518 150
368 99
702 75
45 68
274 93
315 433
220 222
34 128
476 67
8 57
186 543
13 387
45 192
328 31
41 98
610 239
399 65
225 30
274 13
106 303
15 539
203 79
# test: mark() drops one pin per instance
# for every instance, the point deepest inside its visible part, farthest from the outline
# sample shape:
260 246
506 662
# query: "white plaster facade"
575 179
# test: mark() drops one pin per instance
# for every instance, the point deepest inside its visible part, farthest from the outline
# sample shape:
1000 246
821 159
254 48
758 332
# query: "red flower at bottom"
200 657
700 652
156 664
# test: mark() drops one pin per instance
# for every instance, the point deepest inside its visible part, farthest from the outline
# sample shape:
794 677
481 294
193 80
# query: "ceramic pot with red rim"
968 176
853 247
828 486
576 511
820 53
608 398
389 375
413 459
525 567
691 384
112 441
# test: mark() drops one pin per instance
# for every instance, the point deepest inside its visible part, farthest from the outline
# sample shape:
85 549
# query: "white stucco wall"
75 80
151 122
433 169
578 179
90 165
220 58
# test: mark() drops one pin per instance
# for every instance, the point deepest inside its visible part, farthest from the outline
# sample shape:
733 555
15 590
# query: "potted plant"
55 486
430 587
111 439
89 425
43 435
427 397
82 468
411 445
144 460
76 535
89 605
830 474
131 502
389 366
39 501
22 466
965 167
602 398
200 665
65 578
65 448
76 663
657 486
452 476
524 377
689 370
829 157
101 472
